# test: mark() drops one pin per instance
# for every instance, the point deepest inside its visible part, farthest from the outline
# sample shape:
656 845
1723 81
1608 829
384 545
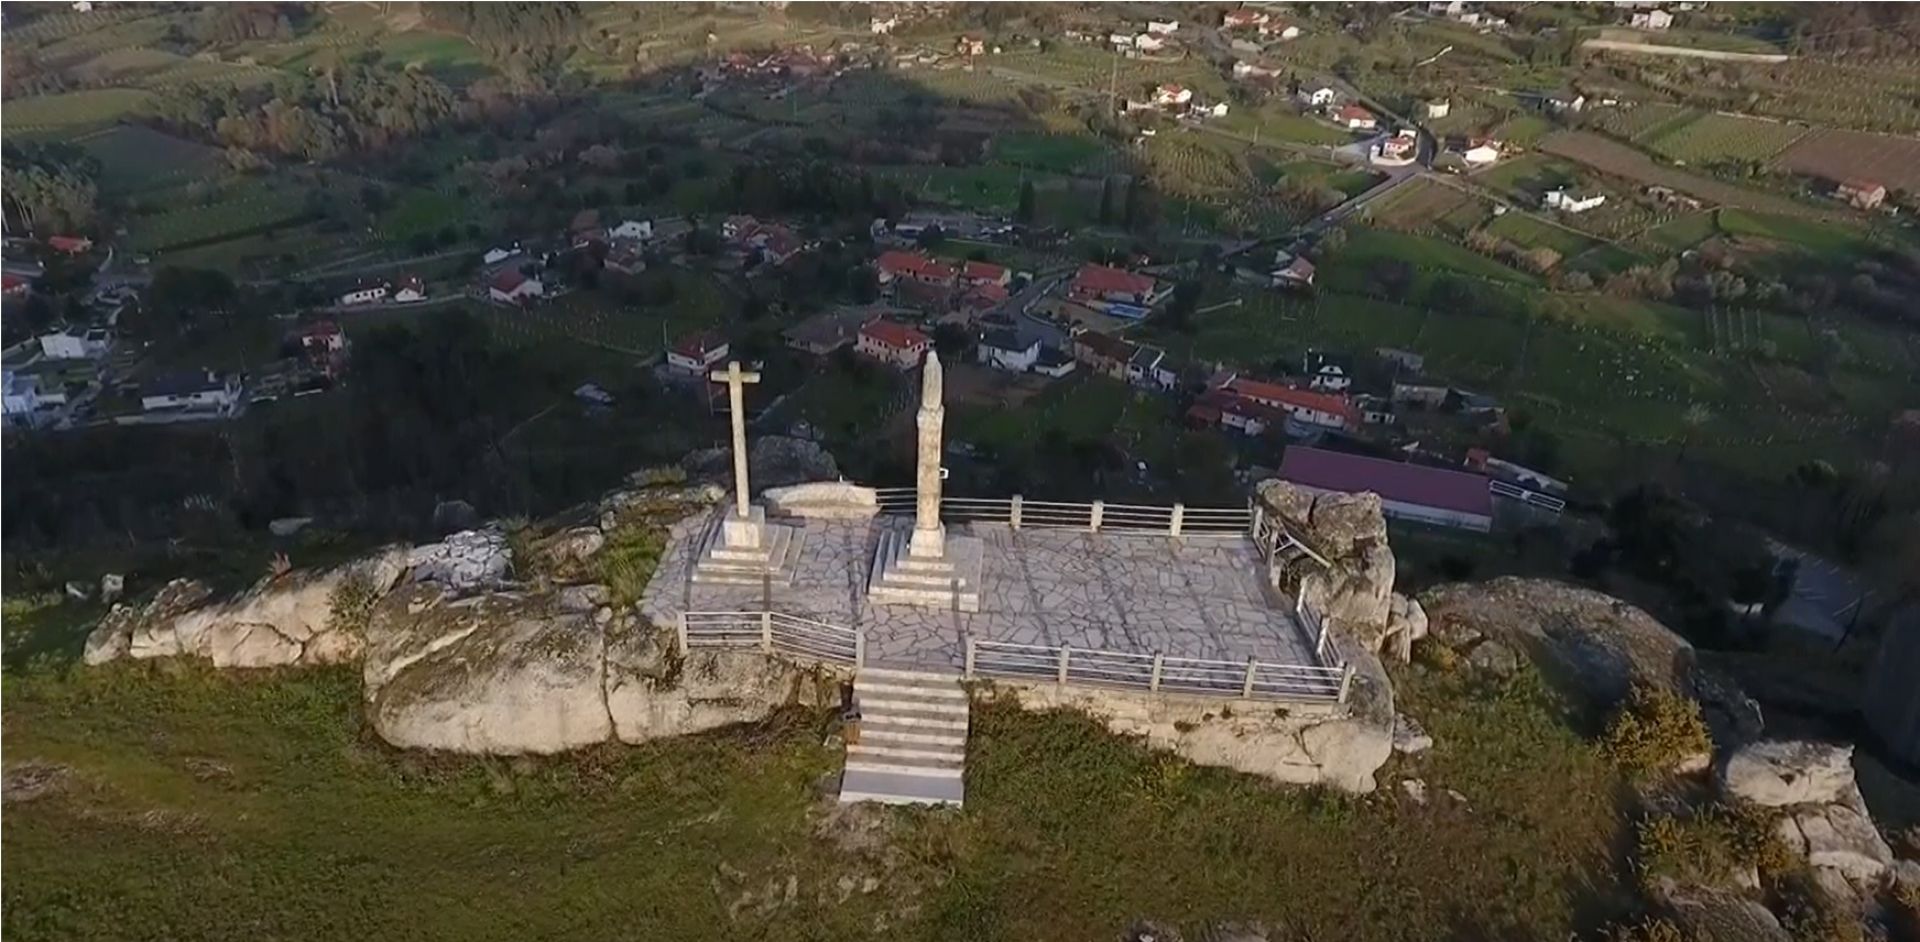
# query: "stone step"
906 715
901 789
906 765
904 676
880 705
946 691
955 752
883 731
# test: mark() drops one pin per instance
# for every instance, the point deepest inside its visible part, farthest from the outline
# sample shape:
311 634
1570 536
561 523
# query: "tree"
1106 201
1025 213
1178 314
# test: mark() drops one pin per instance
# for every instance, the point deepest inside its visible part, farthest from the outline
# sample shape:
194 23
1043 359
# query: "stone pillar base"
748 551
948 581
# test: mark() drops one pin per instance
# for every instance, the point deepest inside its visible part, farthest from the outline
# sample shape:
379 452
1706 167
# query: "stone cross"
737 380
929 538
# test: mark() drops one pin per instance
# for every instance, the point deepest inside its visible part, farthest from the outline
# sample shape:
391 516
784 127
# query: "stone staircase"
913 739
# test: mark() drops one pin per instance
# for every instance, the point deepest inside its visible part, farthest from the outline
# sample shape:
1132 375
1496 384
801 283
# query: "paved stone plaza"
1198 597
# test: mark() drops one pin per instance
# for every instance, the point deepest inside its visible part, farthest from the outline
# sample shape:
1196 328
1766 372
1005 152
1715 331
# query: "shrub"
350 606
627 561
1647 930
1712 845
1655 732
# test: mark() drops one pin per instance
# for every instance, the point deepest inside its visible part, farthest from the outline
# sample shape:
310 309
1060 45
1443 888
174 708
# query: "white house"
410 291
1570 202
698 353
895 344
880 27
1652 19
1481 154
513 287
1149 43
366 295
1163 27
1439 108
1283 30
1355 118
639 230
199 391
1121 40
1004 350
1172 95
25 402
497 255
1319 96
1246 70
62 345
1328 372
1053 363
1151 368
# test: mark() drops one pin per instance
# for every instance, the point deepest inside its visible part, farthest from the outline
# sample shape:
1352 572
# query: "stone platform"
1198 597
951 581
745 552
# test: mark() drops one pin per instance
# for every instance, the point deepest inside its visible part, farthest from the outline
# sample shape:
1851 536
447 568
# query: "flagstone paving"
1197 597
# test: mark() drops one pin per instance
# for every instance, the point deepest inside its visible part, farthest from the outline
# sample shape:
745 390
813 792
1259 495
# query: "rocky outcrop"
1716 915
1839 838
772 461
1299 745
1354 591
546 672
294 618
823 500
464 561
1779 773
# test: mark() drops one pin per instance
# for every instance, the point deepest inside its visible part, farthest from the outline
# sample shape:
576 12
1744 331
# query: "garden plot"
134 158
1714 137
1832 154
229 212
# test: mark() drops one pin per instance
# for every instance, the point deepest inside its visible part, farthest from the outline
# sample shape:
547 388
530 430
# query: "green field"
1059 153
1683 233
1815 238
1529 232
1710 137
237 208
1368 246
71 111
134 158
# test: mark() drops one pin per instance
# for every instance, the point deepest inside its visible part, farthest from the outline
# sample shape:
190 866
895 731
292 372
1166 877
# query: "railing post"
680 632
1346 681
972 652
1099 510
1246 687
1179 517
766 631
1013 512
1066 655
1154 685
860 649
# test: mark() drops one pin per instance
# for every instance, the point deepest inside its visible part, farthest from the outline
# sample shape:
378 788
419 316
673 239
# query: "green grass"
1529 232
70 111
134 158
255 805
1366 247
1711 137
1815 238
422 212
1683 233
1061 153
231 210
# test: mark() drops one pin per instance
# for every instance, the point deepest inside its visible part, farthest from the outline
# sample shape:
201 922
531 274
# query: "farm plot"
1060 153
1529 232
1713 137
1612 157
1842 155
134 158
1419 205
1680 234
238 210
71 111
1640 119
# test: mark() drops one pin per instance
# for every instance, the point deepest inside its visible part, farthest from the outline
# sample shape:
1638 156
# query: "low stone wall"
1298 744
824 500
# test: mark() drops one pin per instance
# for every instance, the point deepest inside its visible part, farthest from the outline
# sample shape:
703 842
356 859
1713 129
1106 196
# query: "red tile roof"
1297 398
69 243
912 263
1393 480
508 280
1101 279
1353 112
11 283
898 336
697 346
984 271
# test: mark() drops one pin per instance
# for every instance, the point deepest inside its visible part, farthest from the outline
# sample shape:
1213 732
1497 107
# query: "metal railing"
1098 516
1252 679
773 633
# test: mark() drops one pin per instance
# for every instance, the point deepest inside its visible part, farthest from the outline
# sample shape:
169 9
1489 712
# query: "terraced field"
134 158
1710 137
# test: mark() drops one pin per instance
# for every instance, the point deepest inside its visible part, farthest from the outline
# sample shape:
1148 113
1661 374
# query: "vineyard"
134 158
1528 232
241 208
1839 155
1711 137
1645 119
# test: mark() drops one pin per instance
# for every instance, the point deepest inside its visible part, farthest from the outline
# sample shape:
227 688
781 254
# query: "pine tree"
1106 201
1027 200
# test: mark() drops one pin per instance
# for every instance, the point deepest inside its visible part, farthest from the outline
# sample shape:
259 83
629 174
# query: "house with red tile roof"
912 266
71 245
985 273
1438 496
1312 410
511 286
1104 354
1105 283
697 353
1355 118
1860 194
895 344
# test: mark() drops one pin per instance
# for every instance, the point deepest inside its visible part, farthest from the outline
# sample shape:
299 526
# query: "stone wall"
1339 747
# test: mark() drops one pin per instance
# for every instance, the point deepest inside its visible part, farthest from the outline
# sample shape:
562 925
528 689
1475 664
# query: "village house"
366 295
1099 283
1355 118
1398 150
1860 194
1172 96
979 273
1147 42
1310 411
1375 410
411 290
1424 395
495 256
1569 201
1003 349
191 391
70 245
30 402
1243 19
1052 363
1401 359
971 46
1295 271
1413 492
1163 27
1318 95
983 297
639 230
1651 19
896 265
325 346
1328 372
882 27
696 354
824 333
897 345
1150 368
1244 70
1275 29
626 258
511 286
1439 108
1480 151
66 345
1104 354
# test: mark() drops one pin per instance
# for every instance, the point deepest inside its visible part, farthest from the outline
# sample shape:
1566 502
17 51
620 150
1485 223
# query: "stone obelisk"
926 567
929 539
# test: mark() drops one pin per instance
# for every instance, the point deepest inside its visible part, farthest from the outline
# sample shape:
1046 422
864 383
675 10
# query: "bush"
350 606
1711 846
1655 732
1647 930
